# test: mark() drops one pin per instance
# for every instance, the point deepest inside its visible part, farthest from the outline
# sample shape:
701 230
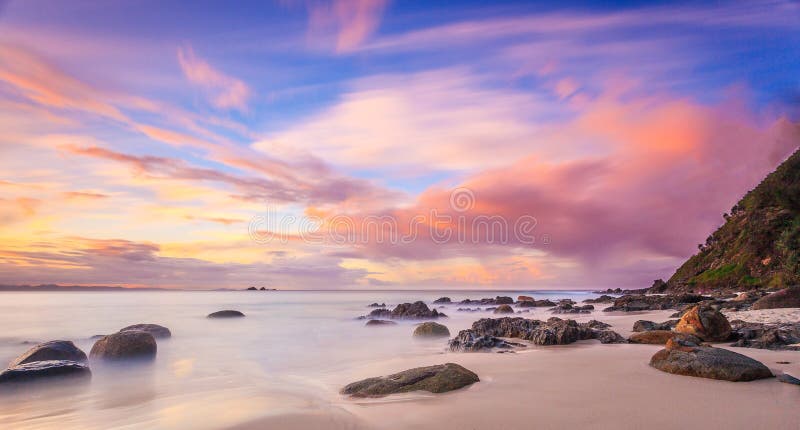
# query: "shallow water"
213 373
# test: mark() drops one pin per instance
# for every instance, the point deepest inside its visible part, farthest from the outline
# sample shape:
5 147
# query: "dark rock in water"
602 299
376 305
49 351
553 332
570 308
643 325
442 300
786 298
597 324
503 300
468 309
38 370
431 329
262 289
226 314
125 345
380 313
499 300
687 358
609 336
504 309
435 379
706 323
660 337
379 323
252 289
789 379
416 310
544 303
469 341
641 302
781 336
158 331
525 299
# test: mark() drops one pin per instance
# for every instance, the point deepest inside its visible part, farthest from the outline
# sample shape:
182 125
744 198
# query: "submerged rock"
435 379
125 345
442 300
706 323
431 329
786 298
379 323
38 370
504 309
226 314
525 299
157 331
687 358
49 351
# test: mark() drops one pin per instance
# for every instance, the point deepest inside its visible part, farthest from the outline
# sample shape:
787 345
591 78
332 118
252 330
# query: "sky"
375 144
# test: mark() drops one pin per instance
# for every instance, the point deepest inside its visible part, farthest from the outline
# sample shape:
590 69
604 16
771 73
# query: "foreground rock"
431 329
554 331
469 341
53 350
706 323
435 379
786 298
47 369
641 302
157 331
125 345
380 323
226 314
780 336
687 358
644 325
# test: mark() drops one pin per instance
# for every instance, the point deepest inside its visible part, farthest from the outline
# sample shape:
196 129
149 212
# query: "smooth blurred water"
213 372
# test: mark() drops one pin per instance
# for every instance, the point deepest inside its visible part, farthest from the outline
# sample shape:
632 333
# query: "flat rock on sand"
435 379
686 358
53 350
226 314
39 370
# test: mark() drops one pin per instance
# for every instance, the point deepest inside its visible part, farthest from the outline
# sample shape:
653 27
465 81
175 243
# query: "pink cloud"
350 21
225 92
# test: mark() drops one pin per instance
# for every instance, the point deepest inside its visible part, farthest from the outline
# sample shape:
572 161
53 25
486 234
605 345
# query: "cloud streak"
224 91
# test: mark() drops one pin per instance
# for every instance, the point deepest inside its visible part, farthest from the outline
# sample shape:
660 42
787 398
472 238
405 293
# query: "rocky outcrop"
46 369
690 359
525 299
431 329
499 300
660 337
125 345
779 336
443 300
49 351
376 305
608 336
435 379
554 331
570 308
786 298
157 331
469 341
602 299
536 304
644 325
379 323
226 314
706 323
416 310
640 302
504 309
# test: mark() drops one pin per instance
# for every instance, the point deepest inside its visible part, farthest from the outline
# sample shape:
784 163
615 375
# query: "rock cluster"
570 308
690 359
435 379
641 302
226 314
416 310
536 303
786 298
499 300
442 300
784 336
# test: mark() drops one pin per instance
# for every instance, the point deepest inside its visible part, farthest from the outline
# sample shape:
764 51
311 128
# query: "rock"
780 336
660 337
544 303
554 331
786 298
597 324
469 341
49 351
686 358
443 300
641 302
376 305
602 299
226 314
252 289
643 325
570 308
609 336
431 329
435 379
503 300
504 309
789 379
706 323
38 370
158 332
125 345
525 299
379 323
379 313
262 289
416 310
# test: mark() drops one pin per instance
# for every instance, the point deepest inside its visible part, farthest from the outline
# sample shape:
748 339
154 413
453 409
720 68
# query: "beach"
282 366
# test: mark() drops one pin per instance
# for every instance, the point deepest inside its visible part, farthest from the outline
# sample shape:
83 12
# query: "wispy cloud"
223 91
348 22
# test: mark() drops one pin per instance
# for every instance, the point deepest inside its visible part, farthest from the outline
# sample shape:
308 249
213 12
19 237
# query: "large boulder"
431 329
416 310
38 370
226 314
504 309
435 379
687 358
125 345
158 331
786 298
706 323
53 350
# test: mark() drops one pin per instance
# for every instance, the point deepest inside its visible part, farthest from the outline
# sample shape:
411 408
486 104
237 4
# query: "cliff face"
758 247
